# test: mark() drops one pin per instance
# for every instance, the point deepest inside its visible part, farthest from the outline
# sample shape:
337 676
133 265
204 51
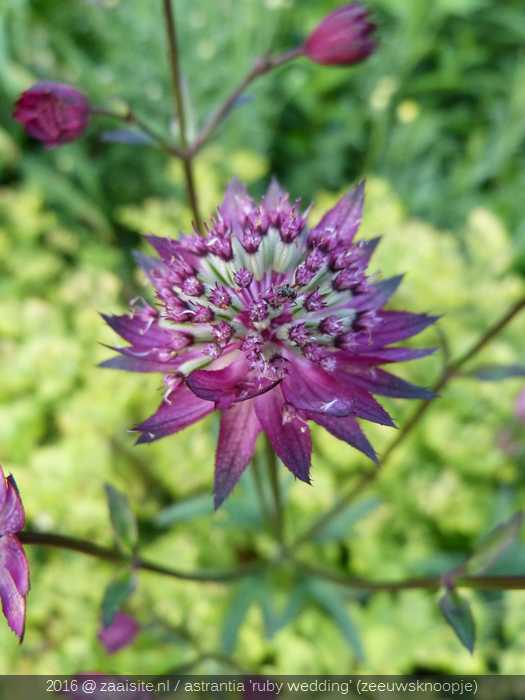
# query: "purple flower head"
53 113
14 570
343 38
288 343
120 633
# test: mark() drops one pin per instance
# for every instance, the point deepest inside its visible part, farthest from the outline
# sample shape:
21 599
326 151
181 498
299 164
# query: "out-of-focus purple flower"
14 570
53 113
508 442
520 406
280 325
120 633
343 38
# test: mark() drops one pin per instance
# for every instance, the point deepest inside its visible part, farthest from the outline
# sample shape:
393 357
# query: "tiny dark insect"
287 292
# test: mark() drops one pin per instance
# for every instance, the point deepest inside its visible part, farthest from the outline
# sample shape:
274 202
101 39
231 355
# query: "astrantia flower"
343 38
272 324
14 570
54 113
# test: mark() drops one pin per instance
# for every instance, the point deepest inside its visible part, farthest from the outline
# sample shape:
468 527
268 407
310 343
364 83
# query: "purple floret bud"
220 297
250 240
202 314
298 334
243 278
332 326
222 332
193 287
258 311
314 301
315 260
303 275
221 247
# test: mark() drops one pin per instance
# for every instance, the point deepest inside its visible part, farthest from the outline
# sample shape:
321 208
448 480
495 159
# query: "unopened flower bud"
343 38
53 113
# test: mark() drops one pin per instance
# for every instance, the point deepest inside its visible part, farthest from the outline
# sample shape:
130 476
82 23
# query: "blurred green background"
436 121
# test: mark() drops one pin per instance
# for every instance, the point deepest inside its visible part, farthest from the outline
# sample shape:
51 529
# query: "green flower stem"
129 117
49 539
278 510
261 67
448 373
486 583
256 469
178 94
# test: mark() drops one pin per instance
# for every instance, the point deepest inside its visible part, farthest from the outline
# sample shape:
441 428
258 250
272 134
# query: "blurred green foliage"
435 120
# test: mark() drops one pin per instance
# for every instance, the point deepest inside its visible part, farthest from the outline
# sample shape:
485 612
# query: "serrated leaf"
115 595
122 518
329 598
494 545
339 527
185 510
246 594
456 611
127 136
496 373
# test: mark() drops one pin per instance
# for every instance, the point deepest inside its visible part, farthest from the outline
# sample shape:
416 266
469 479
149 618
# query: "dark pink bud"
53 113
343 37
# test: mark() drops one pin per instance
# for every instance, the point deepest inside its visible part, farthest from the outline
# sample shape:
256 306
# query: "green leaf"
246 594
115 595
339 527
122 518
495 373
456 611
185 510
329 598
276 620
494 545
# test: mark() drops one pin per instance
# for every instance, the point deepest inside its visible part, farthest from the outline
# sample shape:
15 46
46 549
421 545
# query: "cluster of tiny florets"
264 280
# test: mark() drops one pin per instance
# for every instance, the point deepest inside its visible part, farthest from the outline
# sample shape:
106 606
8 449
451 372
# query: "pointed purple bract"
272 324
14 569
287 431
236 446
